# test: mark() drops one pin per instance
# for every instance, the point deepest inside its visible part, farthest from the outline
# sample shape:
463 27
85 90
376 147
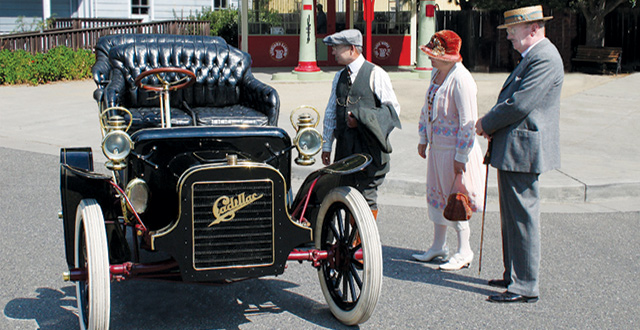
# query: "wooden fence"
485 48
622 29
86 38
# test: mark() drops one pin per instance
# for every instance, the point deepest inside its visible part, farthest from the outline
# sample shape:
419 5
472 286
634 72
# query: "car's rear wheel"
91 254
350 286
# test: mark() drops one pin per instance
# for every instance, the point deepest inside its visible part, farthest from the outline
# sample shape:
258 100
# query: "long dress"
447 124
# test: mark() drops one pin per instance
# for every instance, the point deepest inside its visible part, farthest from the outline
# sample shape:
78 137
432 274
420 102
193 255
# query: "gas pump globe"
308 140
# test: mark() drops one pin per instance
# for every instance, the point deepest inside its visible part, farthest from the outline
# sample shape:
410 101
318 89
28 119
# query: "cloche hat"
523 15
444 45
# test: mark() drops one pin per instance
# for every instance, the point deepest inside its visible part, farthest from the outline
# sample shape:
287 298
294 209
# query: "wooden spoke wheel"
94 293
350 285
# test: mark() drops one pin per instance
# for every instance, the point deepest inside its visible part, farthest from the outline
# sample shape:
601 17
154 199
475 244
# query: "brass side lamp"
308 140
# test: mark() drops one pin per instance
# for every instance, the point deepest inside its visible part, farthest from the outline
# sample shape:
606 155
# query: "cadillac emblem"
225 207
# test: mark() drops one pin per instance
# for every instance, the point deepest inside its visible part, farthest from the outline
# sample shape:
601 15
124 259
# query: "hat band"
532 16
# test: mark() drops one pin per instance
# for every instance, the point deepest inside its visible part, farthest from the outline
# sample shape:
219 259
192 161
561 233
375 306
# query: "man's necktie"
349 77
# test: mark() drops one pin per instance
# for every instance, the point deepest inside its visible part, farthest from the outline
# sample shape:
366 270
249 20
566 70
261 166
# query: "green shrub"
15 67
223 23
59 63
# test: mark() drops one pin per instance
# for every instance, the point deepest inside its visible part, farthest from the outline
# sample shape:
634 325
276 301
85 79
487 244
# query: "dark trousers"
368 187
520 219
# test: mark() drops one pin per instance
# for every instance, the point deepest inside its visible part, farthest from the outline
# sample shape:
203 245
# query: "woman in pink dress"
447 128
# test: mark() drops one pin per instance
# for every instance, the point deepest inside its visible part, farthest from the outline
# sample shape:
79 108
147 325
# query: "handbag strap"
461 187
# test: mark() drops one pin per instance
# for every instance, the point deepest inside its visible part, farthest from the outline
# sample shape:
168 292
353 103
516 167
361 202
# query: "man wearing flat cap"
523 129
361 113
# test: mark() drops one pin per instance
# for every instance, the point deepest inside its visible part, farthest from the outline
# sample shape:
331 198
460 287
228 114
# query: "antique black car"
199 173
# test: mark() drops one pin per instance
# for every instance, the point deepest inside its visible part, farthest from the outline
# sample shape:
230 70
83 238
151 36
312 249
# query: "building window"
140 7
220 4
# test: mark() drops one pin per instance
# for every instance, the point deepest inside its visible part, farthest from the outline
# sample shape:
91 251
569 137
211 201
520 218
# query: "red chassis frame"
129 270
164 269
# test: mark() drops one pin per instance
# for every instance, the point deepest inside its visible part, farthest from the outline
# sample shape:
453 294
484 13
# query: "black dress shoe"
508 297
498 283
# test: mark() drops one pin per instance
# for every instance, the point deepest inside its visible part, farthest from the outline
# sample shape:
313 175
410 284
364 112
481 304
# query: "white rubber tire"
94 294
358 310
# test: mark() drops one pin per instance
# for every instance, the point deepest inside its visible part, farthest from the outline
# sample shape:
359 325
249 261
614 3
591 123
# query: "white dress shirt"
380 85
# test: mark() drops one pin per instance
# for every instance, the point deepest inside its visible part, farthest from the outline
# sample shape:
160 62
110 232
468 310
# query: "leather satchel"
458 205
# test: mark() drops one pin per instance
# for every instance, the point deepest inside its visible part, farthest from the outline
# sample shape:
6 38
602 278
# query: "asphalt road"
589 273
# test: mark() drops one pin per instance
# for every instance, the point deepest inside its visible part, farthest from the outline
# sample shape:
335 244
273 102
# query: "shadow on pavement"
166 305
58 305
399 265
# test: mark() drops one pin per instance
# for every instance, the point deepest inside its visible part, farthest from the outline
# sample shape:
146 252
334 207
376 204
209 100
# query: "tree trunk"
595 31
594 12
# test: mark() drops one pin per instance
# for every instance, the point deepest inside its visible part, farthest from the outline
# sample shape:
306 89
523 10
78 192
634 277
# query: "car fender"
78 182
320 182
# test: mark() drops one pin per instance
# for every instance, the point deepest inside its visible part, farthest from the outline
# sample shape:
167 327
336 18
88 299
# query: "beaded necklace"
433 89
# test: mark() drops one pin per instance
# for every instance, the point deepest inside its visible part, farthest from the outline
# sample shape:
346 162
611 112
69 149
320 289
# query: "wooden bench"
602 55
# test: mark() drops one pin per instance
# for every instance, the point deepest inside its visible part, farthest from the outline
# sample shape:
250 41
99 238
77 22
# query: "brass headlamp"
308 140
116 143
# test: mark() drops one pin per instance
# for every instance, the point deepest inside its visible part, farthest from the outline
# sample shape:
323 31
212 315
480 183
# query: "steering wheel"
187 80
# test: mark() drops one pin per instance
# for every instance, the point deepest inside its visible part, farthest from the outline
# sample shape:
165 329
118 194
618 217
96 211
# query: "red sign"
382 50
307 7
279 51
430 11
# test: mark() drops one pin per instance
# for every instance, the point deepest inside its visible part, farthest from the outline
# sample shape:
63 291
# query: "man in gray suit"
523 129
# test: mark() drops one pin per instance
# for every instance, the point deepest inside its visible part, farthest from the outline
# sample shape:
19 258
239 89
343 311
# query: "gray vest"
353 140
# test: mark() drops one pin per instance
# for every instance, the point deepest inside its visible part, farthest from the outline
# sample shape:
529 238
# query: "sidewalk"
599 116
598 124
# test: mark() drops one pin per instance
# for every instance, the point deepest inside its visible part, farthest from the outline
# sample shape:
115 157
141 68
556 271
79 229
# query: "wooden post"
331 16
244 26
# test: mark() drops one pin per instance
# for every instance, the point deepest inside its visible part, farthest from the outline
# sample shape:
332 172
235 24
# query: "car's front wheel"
91 254
351 284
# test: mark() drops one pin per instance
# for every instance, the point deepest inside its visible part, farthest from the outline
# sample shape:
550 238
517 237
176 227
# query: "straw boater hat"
523 15
445 46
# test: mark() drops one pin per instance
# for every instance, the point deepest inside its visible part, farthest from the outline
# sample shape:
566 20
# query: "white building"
28 14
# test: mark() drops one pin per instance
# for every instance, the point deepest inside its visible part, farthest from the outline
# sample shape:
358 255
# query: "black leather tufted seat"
224 93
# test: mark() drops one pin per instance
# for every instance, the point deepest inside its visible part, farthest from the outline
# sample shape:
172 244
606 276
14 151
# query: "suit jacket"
525 122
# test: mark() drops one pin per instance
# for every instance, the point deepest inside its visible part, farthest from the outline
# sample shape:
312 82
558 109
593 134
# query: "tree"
223 23
594 12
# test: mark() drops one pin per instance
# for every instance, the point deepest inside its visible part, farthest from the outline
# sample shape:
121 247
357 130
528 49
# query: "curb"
572 192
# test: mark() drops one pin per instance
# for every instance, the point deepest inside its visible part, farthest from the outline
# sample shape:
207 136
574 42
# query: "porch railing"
88 23
86 38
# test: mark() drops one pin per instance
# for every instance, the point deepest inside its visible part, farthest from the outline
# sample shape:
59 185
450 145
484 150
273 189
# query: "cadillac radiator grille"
232 224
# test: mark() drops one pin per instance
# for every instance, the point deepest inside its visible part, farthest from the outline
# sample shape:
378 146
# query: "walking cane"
487 160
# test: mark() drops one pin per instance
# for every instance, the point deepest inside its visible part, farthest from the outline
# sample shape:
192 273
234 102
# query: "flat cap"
345 37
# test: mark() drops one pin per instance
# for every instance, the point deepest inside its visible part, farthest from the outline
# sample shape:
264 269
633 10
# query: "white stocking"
439 237
464 248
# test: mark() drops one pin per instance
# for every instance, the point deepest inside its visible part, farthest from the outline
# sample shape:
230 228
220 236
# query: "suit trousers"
520 219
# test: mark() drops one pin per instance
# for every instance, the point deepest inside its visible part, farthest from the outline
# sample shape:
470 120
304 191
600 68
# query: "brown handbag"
458 205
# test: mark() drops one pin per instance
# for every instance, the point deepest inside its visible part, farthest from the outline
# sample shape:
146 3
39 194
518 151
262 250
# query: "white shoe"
430 255
457 262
